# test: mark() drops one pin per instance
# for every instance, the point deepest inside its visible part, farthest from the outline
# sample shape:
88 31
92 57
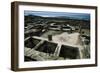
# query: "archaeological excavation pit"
31 42
69 52
47 47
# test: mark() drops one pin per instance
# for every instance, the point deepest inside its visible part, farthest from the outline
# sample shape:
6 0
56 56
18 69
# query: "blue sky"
58 14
